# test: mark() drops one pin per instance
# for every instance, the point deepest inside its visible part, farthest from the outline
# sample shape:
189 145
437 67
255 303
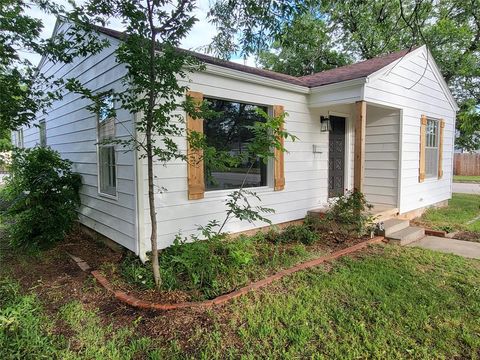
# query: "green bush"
296 233
207 266
42 193
348 217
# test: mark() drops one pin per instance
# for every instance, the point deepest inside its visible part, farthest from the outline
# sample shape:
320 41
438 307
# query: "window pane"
229 132
431 162
431 149
108 181
43 133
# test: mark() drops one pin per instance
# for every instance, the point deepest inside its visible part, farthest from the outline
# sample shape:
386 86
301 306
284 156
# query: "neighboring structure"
392 122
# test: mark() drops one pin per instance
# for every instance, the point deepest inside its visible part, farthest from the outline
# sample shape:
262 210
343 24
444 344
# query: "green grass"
27 333
391 303
397 304
461 209
468 179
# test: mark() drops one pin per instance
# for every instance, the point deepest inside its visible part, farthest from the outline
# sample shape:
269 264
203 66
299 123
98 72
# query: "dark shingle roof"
355 71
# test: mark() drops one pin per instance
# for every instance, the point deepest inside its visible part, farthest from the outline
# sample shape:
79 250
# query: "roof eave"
253 78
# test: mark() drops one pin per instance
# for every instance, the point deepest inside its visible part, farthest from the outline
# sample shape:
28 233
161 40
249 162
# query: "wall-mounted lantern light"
325 124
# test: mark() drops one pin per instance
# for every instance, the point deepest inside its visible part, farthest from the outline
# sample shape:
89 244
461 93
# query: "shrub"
297 233
42 192
348 216
206 265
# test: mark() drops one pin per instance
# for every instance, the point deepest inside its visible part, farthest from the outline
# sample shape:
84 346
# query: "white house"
392 136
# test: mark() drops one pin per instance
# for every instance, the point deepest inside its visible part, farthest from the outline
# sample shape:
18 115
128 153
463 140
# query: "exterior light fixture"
325 124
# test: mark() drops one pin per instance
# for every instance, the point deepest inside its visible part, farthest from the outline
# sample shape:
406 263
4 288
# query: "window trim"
270 178
434 175
98 146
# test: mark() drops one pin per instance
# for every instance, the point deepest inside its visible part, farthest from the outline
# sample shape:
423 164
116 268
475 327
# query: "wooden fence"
466 164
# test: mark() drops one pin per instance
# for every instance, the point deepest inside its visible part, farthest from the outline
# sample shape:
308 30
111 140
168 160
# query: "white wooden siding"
413 87
71 130
381 153
305 172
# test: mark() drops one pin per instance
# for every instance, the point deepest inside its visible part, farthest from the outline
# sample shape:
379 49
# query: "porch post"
360 128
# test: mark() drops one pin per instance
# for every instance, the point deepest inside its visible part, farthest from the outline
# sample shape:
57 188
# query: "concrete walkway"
466 249
466 188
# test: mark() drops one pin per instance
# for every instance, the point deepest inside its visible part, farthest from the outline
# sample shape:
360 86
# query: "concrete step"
393 225
407 235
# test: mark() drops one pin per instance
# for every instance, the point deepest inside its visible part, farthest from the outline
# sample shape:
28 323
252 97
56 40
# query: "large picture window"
431 148
106 151
228 131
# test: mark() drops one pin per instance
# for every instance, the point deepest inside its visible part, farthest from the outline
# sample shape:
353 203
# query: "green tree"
362 29
155 84
303 47
155 88
25 92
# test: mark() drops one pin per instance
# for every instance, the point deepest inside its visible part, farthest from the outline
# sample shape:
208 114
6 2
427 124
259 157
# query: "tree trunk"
153 213
149 145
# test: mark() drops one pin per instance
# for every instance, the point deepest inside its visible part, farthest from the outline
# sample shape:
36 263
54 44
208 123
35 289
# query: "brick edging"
149 305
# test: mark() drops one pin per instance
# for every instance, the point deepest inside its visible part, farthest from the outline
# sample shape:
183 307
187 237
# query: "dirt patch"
468 236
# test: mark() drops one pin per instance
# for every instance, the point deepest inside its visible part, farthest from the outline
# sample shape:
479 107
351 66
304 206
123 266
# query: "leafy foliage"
298 38
43 195
304 47
211 267
296 233
347 217
267 137
26 92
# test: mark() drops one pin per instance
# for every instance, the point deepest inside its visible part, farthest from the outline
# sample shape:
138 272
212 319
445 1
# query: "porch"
363 153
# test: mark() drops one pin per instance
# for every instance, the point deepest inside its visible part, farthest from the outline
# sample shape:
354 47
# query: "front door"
336 157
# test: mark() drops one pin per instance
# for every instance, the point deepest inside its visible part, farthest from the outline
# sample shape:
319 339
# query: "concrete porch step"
407 235
393 225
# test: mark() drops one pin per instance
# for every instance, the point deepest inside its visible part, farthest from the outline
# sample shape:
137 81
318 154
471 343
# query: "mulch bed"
112 274
468 236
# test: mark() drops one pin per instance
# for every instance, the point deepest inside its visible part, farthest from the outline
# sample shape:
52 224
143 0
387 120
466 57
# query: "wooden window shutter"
423 136
279 166
440 149
195 171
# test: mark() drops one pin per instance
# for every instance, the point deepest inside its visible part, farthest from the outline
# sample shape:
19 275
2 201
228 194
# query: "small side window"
431 148
43 132
106 151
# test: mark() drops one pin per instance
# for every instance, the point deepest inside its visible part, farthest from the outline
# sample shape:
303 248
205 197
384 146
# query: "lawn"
386 302
467 179
458 216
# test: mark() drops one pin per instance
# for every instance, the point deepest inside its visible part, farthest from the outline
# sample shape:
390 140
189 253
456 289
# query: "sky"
200 35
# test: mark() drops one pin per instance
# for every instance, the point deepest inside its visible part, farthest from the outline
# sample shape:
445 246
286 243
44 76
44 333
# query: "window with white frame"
106 150
431 148
43 132
229 131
